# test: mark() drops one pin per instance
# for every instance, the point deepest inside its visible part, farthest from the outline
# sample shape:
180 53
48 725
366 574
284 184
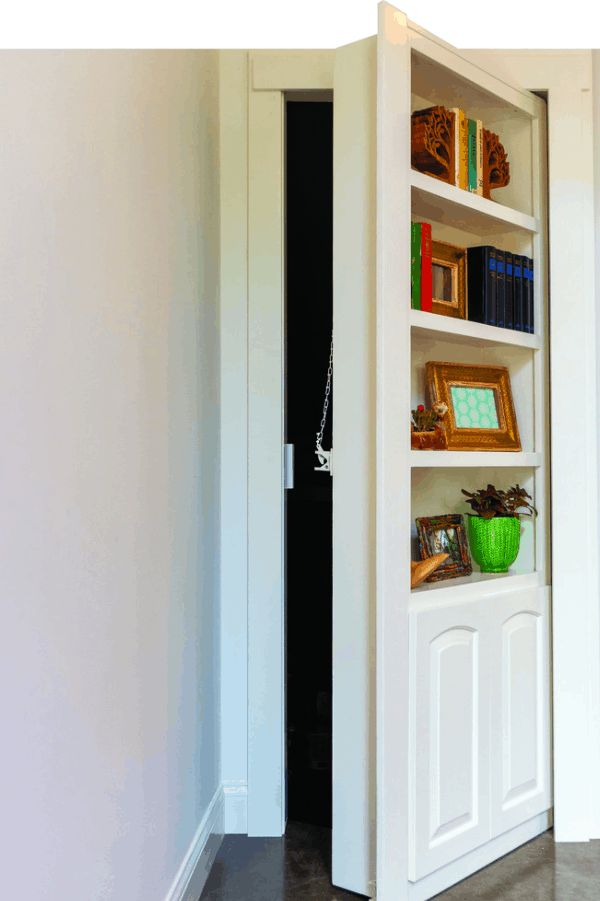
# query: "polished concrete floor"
297 867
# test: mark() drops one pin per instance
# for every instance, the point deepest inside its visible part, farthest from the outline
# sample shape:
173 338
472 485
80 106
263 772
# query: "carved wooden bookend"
423 569
432 143
496 168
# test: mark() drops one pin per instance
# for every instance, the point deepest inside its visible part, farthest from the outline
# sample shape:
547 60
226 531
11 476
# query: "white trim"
271 73
236 808
200 856
266 698
292 70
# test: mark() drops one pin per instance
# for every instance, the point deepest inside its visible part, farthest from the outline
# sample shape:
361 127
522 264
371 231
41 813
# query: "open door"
440 764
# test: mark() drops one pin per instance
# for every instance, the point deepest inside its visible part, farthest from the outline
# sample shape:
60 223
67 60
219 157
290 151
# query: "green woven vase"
494 542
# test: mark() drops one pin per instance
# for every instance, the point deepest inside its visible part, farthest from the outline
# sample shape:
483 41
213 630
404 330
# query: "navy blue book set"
500 288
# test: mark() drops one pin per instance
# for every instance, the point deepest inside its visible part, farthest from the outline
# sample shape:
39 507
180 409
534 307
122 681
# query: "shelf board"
472 332
438 69
477 585
437 201
471 459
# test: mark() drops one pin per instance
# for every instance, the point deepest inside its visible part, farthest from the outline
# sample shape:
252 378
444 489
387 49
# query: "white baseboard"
200 856
236 807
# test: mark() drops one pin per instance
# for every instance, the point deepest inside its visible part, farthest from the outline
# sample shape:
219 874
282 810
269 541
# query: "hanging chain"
323 455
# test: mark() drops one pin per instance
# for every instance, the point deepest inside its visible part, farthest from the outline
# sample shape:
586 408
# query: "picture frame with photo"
449 295
445 534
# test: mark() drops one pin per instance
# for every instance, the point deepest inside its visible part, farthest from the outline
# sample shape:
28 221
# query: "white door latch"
325 458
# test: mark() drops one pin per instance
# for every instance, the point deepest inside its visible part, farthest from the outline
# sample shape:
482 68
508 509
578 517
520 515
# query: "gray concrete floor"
297 868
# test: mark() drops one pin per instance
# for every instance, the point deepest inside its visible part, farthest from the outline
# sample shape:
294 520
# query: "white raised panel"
450 750
453 666
520 740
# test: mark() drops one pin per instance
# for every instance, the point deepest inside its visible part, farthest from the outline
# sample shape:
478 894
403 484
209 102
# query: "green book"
415 265
472 168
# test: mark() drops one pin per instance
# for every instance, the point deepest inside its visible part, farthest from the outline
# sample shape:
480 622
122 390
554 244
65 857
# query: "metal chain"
321 431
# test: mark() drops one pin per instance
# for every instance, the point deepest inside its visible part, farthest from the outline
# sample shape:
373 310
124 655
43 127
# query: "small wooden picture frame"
481 414
445 534
448 264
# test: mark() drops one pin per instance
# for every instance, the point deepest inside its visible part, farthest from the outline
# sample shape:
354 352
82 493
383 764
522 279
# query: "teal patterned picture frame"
481 412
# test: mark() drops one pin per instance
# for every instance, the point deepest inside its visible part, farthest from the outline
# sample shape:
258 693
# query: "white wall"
109 469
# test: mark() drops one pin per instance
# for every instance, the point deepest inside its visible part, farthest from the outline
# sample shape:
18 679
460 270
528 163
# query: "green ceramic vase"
494 542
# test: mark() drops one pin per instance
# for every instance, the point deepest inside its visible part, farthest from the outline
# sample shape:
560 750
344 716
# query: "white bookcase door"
417 829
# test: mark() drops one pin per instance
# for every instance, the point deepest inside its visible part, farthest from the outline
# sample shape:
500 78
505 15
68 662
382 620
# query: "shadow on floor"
297 866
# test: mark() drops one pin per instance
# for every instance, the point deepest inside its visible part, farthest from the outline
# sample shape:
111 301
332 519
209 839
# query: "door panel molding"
450 747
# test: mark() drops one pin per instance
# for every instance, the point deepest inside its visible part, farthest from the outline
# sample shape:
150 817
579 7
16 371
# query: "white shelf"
472 459
439 70
475 586
437 201
472 332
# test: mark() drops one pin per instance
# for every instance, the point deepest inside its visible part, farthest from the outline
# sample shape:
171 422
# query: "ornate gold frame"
441 377
455 259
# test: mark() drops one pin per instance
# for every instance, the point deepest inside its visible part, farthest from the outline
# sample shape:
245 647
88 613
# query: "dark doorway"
309 251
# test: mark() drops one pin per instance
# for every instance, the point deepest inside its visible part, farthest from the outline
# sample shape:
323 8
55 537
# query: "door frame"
576 648
271 75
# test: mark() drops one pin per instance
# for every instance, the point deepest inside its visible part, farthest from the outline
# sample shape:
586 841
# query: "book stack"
468 152
420 267
500 288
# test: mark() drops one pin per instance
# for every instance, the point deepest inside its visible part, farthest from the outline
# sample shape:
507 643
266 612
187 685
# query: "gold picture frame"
481 414
449 294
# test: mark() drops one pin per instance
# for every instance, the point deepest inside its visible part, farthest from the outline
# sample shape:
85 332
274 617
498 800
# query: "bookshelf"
513 220
481 633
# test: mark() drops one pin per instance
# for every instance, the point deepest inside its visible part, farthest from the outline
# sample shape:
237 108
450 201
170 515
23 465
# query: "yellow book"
461 148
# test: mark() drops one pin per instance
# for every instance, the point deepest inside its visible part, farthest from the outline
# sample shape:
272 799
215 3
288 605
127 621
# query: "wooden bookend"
496 168
432 143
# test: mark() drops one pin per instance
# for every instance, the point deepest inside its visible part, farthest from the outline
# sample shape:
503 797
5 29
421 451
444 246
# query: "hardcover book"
499 318
508 291
415 265
528 316
481 284
479 157
518 292
472 161
426 271
461 148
